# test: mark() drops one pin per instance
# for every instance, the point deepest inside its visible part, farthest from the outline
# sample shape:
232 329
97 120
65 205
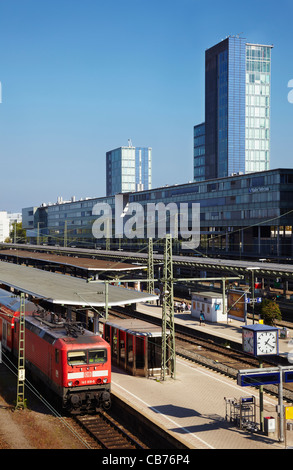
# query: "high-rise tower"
128 169
237 110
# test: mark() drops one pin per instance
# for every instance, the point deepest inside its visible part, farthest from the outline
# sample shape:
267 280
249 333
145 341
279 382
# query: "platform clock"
266 342
260 340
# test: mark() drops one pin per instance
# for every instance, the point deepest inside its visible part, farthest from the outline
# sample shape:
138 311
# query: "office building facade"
128 169
237 108
4 226
7 223
242 216
199 152
258 97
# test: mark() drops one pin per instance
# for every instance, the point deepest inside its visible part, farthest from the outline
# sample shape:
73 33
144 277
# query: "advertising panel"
237 305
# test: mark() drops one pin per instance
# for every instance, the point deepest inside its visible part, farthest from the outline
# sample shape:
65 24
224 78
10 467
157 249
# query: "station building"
242 216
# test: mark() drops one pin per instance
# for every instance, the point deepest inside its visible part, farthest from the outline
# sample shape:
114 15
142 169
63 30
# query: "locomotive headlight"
70 383
104 381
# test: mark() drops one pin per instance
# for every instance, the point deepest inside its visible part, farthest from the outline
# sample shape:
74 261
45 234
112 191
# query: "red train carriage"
9 311
72 362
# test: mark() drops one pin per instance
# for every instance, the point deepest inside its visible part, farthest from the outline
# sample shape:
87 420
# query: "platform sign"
288 376
257 300
258 378
266 376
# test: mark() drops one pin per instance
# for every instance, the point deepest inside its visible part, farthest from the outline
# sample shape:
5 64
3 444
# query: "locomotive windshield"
92 356
76 357
97 356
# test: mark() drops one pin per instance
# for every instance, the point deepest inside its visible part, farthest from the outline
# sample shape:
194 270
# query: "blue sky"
81 77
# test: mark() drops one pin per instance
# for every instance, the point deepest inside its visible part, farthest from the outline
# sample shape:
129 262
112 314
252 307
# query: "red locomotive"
74 363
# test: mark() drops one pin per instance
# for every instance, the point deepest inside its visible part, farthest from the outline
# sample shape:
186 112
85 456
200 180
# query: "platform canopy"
66 290
86 264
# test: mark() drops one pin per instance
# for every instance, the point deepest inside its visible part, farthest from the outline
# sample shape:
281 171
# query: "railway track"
223 354
102 431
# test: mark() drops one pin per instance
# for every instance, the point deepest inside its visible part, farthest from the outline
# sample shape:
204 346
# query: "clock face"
266 342
247 341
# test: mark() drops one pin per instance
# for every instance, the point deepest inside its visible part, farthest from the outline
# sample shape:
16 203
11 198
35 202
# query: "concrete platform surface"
193 407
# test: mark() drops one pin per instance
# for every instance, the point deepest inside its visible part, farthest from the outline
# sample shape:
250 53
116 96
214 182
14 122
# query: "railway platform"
192 409
230 330
192 406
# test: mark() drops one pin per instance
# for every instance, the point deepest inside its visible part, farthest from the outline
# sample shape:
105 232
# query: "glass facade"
222 113
225 108
127 175
237 108
249 214
128 169
199 152
113 171
216 109
143 168
258 83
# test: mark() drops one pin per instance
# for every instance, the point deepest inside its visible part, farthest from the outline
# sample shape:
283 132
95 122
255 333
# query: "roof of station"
66 290
240 267
135 327
88 264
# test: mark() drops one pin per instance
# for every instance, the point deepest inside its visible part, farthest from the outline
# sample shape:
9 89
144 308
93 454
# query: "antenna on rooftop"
129 143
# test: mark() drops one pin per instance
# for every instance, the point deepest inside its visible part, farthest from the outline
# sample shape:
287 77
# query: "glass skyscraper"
237 109
258 84
128 169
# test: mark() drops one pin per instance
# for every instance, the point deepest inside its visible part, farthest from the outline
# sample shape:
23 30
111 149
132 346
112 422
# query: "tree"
18 233
270 312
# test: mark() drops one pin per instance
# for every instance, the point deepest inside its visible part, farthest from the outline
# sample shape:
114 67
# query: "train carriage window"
9 332
139 352
114 342
130 350
4 333
97 356
76 358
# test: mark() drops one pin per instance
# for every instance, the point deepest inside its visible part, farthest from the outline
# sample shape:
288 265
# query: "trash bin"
269 424
289 426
